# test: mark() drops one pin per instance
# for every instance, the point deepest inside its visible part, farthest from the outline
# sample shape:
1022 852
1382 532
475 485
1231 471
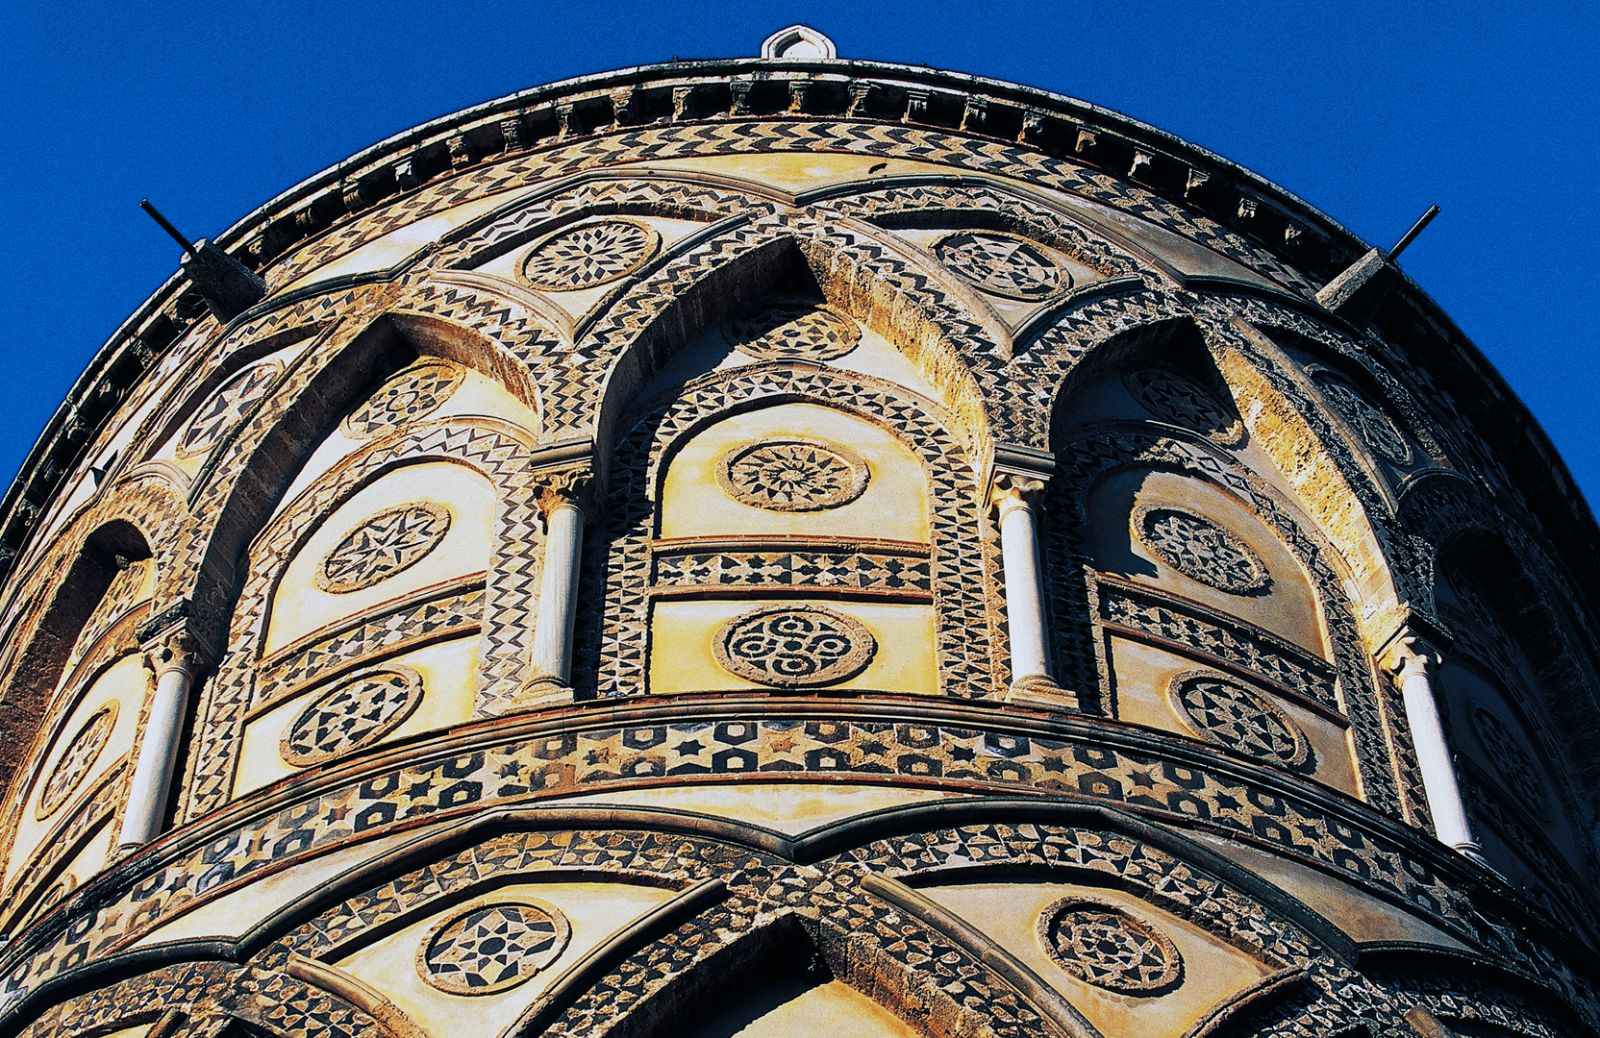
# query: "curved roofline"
1238 199
433 129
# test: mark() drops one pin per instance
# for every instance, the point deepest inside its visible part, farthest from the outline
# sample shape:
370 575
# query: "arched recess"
77 693
953 577
1149 413
253 468
855 273
497 601
297 440
1529 610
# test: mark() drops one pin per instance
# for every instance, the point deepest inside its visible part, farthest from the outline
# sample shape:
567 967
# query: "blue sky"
1368 110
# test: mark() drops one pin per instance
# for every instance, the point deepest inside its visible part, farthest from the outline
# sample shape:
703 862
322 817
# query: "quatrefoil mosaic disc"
589 254
387 543
1002 263
76 760
1201 550
794 647
1231 716
490 948
793 475
793 331
352 714
1101 944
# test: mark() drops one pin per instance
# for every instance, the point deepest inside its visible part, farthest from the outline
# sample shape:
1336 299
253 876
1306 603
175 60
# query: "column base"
1470 849
1040 690
541 691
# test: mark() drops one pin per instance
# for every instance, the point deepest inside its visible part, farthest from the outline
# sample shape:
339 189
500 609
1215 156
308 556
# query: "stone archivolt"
486 754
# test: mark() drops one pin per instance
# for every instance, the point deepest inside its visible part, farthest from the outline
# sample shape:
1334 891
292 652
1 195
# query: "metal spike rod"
1411 235
166 225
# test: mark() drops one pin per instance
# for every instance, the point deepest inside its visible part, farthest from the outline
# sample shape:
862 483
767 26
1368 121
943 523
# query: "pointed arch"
1380 739
966 669
506 600
855 272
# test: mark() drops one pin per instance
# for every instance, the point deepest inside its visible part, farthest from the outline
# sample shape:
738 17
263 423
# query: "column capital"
573 486
1009 490
1018 476
1409 653
174 648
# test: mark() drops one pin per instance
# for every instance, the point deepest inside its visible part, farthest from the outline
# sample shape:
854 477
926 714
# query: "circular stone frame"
647 251
1170 973
1256 581
860 647
57 789
1301 759
1064 279
415 690
337 586
860 474
563 935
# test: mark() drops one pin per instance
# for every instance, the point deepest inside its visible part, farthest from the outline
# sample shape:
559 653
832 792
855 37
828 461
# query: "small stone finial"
798 43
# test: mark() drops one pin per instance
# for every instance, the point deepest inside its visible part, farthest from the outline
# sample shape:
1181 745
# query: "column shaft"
151 786
558 602
1433 755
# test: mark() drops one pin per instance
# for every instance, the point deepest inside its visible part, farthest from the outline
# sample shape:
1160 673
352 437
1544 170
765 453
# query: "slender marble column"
1411 660
558 590
174 661
1014 498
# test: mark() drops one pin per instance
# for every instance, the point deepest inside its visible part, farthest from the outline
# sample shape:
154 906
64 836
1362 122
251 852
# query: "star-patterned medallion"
385 544
1003 264
589 254
489 948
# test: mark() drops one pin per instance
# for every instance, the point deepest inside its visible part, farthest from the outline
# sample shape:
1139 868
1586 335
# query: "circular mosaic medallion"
222 412
1002 263
1182 401
352 714
412 394
490 948
1232 716
387 543
793 475
76 760
793 331
1511 761
1376 429
794 647
1101 944
589 254
1201 550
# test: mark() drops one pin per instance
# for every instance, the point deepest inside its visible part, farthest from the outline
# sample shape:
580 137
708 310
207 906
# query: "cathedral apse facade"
792 545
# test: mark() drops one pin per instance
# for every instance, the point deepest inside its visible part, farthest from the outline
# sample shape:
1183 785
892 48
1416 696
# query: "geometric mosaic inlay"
793 475
1376 429
382 546
492 947
589 254
352 714
76 760
792 331
1101 944
1511 761
410 395
1002 263
1182 401
794 647
1201 550
219 415
1231 716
